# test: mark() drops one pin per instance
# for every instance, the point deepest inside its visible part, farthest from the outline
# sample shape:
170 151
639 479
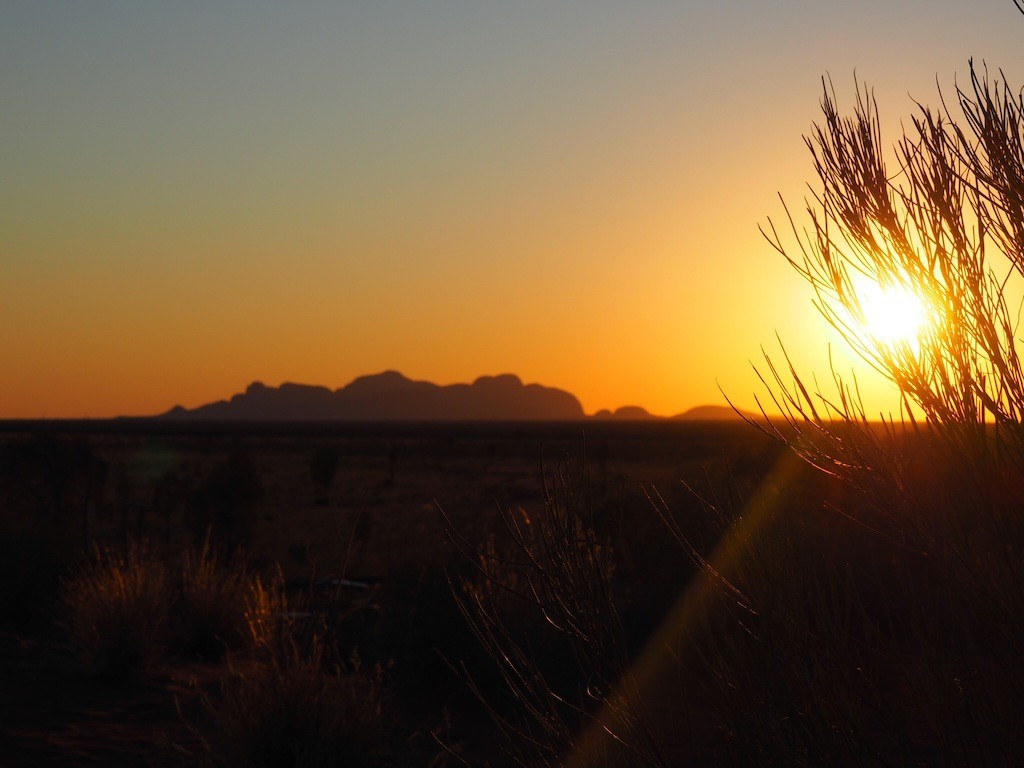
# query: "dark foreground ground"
360 502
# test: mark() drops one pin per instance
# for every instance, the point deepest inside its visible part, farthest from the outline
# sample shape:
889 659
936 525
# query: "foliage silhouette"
948 225
871 613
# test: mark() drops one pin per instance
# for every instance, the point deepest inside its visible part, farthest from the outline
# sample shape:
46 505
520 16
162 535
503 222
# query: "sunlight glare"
892 314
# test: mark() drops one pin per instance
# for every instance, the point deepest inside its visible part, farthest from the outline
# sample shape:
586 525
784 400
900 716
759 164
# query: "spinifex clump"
115 610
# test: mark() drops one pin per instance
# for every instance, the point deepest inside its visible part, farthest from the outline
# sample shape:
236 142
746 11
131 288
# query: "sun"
892 314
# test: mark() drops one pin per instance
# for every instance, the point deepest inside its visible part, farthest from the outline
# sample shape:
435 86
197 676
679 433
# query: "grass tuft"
297 711
212 614
115 610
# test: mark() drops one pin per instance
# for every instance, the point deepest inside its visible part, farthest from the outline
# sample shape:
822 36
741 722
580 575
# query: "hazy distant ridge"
390 396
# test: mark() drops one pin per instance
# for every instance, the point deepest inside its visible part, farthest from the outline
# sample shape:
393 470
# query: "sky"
198 195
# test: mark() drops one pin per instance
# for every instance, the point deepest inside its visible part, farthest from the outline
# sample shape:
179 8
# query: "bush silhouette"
223 509
872 612
115 610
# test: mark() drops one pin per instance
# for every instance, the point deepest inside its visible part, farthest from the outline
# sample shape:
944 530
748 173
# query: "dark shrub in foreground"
212 604
115 609
124 609
297 711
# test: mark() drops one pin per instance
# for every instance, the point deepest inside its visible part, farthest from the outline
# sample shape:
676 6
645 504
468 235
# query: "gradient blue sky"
195 195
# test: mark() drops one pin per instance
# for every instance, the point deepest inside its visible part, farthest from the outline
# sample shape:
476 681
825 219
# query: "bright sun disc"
892 314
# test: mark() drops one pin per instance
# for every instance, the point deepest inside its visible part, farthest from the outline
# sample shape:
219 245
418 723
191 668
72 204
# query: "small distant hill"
626 413
712 413
390 396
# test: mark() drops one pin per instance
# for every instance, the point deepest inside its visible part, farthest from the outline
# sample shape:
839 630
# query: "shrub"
943 481
115 610
297 711
887 627
224 505
213 608
267 616
322 468
543 609
123 608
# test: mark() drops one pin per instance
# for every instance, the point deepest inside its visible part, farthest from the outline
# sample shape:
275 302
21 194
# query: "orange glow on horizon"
568 194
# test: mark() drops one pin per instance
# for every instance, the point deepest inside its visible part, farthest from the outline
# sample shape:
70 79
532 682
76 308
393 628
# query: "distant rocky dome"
700 413
390 396
713 413
626 413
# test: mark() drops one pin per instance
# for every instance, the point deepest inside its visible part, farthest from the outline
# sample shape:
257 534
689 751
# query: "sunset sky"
197 195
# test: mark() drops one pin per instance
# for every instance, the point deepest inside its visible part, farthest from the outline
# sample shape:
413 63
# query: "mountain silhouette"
390 396
626 413
712 413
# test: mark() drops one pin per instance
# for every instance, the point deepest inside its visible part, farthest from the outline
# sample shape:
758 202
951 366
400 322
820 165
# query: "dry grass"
266 611
115 610
285 702
212 611
869 614
297 711
124 609
542 607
